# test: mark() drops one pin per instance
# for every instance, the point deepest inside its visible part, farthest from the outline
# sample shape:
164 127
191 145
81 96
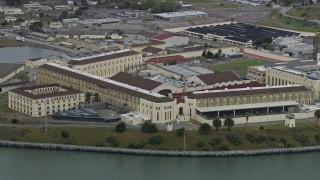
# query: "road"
12 35
284 11
186 125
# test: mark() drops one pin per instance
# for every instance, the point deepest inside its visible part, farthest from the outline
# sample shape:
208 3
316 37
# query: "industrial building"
240 34
181 16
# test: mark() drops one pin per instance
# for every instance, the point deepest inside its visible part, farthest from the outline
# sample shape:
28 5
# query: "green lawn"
238 66
270 136
4 42
306 12
276 20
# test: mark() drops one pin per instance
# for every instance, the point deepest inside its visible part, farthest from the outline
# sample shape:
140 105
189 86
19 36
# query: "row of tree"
210 55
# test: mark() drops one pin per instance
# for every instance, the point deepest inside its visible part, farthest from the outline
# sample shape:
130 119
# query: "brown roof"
151 49
102 58
245 92
146 34
104 84
22 91
148 43
136 81
220 77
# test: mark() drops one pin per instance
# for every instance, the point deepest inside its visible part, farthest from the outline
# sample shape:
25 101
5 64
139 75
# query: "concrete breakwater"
159 152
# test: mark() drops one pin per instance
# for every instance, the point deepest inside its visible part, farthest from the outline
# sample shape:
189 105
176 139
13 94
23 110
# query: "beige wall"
109 68
37 107
276 77
257 75
11 75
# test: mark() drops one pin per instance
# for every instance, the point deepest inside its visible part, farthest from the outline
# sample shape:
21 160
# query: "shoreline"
145 152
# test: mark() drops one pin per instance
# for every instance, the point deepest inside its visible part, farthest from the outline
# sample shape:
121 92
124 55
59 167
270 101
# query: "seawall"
111 150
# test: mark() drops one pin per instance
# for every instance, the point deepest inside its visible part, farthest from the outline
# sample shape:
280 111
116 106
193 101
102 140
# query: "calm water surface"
20 54
51 165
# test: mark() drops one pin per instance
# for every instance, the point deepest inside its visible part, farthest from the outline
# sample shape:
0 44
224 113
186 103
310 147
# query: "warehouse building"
239 34
181 16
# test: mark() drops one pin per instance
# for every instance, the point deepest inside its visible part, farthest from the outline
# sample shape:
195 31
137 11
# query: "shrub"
136 146
14 121
261 127
180 132
113 140
233 139
204 129
156 139
64 134
260 139
301 138
283 141
149 127
271 138
121 127
317 137
200 144
222 147
251 138
99 145
215 142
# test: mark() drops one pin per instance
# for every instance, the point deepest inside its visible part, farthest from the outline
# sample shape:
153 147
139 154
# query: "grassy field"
276 20
306 12
4 42
239 66
271 137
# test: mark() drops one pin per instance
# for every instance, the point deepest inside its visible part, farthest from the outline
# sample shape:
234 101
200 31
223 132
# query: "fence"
159 152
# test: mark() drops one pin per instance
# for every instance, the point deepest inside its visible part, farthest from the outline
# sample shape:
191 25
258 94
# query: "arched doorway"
181 111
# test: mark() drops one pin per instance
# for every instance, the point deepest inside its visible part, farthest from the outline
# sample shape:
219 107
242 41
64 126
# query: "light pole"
46 117
184 140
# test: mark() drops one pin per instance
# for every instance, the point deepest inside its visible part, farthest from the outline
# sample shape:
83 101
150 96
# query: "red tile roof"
163 36
23 91
151 49
220 77
136 81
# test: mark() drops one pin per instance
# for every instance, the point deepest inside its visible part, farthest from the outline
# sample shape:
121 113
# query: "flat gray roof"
180 70
8 68
248 106
180 14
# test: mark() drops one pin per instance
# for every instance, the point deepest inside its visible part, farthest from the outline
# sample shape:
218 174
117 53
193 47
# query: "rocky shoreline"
110 150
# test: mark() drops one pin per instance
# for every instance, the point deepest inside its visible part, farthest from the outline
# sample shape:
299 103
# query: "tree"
219 53
63 15
316 44
217 123
120 127
88 97
247 119
317 115
228 123
41 15
204 128
287 2
96 97
13 2
181 131
36 26
210 55
149 127
204 53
